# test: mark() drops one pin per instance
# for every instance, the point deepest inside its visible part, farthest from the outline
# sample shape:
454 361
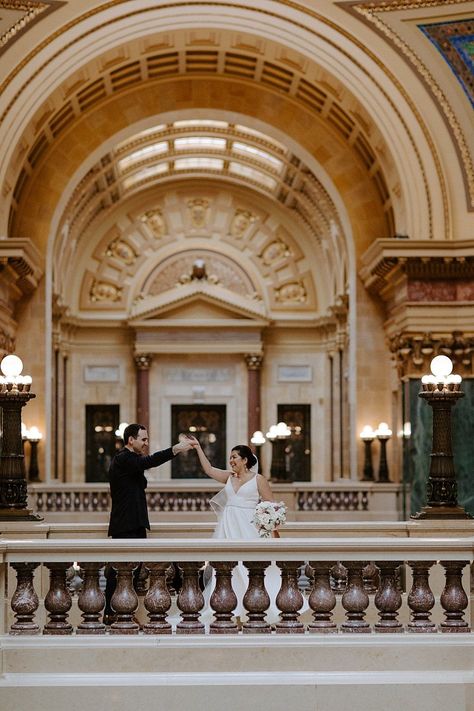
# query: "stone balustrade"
353 585
190 499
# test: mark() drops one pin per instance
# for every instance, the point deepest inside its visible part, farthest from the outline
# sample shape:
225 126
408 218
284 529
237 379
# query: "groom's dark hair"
132 431
246 453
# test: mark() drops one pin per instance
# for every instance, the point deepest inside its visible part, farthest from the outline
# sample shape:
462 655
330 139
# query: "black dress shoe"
109 619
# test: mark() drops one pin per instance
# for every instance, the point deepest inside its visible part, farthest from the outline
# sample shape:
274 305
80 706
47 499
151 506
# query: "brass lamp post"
34 437
441 390
367 436
14 394
278 434
383 434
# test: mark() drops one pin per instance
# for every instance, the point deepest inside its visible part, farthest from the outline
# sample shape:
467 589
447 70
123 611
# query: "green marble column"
419 446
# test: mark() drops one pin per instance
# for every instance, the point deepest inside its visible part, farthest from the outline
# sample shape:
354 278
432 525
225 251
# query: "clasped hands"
185 443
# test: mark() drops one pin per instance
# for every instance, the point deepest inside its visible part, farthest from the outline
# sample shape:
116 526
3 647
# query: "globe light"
11 366
120 430
257 438
34 435
383 431
367 433
441 367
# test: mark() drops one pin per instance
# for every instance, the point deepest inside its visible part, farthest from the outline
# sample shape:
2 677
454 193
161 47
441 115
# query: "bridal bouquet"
268 516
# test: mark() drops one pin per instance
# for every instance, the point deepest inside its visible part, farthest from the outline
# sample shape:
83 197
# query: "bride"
235 506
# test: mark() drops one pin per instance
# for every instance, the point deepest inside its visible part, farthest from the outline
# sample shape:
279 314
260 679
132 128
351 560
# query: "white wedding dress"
235 510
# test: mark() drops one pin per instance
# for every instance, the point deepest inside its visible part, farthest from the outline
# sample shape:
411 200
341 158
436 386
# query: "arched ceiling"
339 108
339 87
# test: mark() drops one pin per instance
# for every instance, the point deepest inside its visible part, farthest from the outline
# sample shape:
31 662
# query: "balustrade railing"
348 497
352 586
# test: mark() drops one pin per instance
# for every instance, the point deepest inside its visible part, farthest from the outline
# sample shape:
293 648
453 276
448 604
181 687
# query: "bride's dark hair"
246 453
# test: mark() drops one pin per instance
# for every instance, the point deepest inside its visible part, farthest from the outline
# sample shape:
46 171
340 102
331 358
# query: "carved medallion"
291 293
122 251
155 221
199 212
104 291
240 223
274 251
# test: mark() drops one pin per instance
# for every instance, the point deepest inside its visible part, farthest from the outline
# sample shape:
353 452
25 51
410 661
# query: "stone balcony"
397 633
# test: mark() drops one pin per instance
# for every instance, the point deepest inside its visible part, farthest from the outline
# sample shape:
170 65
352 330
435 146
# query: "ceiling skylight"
145 174
200 122
257 154
246 172
154 149
199 142
202 163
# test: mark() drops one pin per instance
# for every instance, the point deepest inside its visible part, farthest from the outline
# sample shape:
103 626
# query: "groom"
129 513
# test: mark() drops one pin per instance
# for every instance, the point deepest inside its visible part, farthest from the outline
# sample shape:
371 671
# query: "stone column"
142 364
254 364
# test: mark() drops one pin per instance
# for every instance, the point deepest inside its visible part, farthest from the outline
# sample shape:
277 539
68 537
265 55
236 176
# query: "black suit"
129 514
127 488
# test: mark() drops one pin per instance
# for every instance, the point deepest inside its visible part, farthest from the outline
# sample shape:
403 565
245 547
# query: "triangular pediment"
200 302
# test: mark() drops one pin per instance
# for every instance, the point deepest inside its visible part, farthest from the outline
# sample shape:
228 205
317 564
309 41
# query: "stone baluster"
338 578
388 599
371 578
289 599
124 600
140 580
322 599
256 599
58 600
420 598
158 599
91 600
24 602
190 600
355 599
223 600
453 598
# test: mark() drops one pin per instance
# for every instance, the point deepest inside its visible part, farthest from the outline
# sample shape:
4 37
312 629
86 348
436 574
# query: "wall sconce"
441 390
383 434
33 435
367 436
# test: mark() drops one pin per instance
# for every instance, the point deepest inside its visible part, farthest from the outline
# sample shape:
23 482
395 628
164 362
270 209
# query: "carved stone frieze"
413 352
185 268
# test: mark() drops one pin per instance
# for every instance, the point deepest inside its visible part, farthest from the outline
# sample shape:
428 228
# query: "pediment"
202 302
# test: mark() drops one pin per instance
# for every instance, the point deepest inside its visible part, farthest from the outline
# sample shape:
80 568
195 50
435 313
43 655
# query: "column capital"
143 360
254 360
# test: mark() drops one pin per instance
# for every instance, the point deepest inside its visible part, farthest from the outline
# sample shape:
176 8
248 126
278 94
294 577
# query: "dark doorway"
208 424
298 446
101 423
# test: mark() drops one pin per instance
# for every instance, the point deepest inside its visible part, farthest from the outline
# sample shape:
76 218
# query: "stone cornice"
387 260
23 261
